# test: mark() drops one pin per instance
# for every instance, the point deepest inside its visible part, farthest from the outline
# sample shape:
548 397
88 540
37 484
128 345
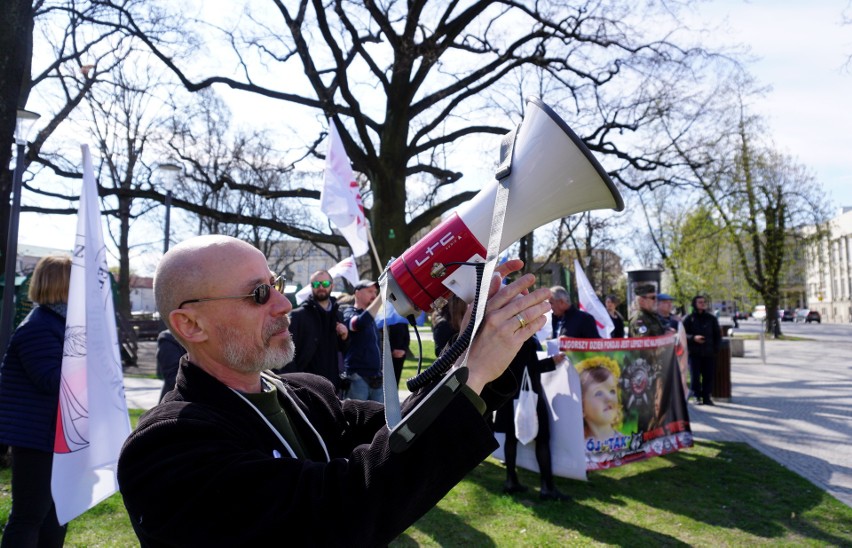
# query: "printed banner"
633 398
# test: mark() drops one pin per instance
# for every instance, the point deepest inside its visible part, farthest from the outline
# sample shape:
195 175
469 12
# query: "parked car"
801 315
788 316
813 316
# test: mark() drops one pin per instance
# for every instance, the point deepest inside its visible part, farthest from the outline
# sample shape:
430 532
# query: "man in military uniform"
645 322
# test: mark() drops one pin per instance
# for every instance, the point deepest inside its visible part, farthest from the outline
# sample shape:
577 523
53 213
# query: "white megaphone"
551 174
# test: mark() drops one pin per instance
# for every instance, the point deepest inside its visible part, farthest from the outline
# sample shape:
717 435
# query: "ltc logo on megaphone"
444 242
551 175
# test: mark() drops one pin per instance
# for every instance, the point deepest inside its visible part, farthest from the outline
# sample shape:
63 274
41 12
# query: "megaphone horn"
551 174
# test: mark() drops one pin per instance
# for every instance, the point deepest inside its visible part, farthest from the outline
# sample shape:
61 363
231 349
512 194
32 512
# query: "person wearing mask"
29 396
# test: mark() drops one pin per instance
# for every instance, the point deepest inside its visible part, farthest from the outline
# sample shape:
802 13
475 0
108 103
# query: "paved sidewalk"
796 409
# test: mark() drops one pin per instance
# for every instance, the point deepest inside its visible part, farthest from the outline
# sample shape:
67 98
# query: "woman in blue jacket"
29 395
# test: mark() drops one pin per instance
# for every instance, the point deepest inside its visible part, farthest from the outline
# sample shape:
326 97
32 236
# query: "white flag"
92 421
340 199
344 269
590 303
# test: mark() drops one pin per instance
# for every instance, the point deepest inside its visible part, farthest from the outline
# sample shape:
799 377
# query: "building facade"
829 271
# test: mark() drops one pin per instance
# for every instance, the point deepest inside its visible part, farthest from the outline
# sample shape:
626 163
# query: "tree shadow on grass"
446 529
737 489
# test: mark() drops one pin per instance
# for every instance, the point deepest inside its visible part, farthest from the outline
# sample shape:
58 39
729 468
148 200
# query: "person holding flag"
29 395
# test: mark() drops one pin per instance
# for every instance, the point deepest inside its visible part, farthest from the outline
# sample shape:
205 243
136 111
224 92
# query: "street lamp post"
25 122
169 173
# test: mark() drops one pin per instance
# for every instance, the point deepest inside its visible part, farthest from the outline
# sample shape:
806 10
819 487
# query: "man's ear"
185 324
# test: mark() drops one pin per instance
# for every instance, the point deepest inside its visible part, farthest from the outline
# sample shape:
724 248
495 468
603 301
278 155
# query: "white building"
829 271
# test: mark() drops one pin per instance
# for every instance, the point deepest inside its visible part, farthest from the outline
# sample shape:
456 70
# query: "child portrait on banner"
633 400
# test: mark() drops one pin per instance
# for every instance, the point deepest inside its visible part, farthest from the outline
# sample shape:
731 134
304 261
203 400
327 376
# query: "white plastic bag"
526 418
561 390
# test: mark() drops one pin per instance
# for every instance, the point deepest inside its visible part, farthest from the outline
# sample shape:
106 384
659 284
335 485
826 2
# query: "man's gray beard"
240 357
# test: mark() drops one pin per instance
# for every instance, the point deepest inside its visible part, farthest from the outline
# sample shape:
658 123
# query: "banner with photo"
633 400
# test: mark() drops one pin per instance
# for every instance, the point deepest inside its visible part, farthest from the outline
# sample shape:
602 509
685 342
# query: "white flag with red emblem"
340 199
590 303
92 421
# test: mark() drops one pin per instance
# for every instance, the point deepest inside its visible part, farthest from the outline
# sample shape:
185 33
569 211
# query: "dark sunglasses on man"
323 283
260 294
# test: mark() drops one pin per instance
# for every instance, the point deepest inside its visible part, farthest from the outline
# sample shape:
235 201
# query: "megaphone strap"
404 432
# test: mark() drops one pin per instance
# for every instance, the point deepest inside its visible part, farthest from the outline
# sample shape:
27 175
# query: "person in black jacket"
568 320
504 421
703 338
236 456
617 320
318 332
446 322
169 353
29 395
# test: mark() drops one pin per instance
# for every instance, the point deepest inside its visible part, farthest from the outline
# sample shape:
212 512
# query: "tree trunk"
16 51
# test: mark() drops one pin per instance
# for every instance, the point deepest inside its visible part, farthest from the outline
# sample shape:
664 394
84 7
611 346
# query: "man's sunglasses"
649 297
324 283
260 294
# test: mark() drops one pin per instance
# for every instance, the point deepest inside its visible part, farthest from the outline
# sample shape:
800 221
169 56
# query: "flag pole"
373 247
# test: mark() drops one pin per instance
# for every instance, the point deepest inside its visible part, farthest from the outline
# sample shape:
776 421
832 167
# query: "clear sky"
800 49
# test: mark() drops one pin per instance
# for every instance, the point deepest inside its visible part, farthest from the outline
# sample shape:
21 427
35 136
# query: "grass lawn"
715 494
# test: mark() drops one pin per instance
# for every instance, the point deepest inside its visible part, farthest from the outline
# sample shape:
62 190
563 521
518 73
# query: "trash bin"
722 379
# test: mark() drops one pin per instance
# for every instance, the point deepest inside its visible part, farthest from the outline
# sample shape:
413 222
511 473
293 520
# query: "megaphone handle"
455 351
425 412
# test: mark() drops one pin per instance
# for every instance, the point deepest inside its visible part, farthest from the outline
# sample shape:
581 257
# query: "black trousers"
32 521
702 369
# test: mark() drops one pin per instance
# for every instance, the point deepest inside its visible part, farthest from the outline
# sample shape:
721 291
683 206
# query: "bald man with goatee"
237 456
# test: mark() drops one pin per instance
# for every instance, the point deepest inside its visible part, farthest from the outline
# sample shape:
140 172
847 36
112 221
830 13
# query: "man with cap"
318 332
363 360
645 322
664 309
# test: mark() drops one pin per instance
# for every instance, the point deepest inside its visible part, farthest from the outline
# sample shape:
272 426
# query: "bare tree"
62 79
125 117
407 82
763 199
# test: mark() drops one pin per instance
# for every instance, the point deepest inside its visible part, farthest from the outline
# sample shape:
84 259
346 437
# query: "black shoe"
513 488
708 401
554 495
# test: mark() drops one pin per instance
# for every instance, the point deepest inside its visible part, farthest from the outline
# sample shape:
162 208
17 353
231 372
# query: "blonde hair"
597 370
50 280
